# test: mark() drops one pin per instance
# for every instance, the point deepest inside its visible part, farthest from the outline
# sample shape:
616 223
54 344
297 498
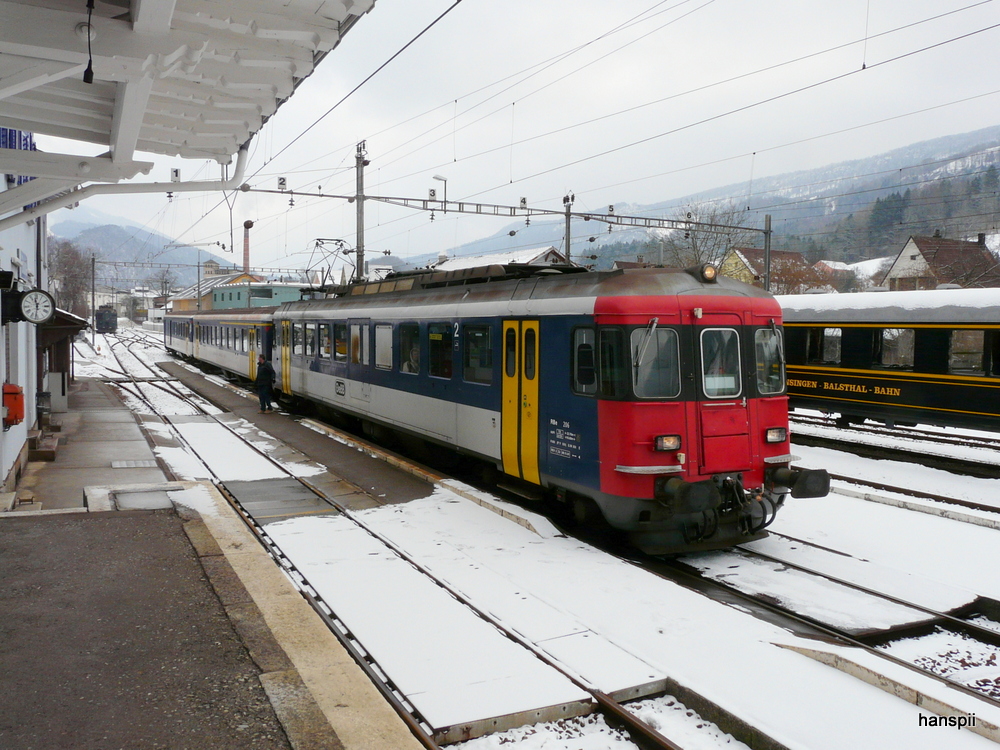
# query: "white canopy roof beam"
69 167
19 73
152 16
130 107
31 192
126 188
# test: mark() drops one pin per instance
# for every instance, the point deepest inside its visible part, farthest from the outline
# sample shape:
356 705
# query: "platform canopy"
189 78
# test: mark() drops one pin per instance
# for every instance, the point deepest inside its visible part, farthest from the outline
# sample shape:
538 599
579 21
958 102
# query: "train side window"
477 362
613 364
967 353
823 346
383 346
530 353
584 366
324 341
409 348
310 340
655 356
720 362
770 368
894 348
297 338
340 342
439 344
359 344
510 352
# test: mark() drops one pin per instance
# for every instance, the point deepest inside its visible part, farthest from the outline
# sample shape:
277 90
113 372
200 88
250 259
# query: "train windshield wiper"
777 340
641 351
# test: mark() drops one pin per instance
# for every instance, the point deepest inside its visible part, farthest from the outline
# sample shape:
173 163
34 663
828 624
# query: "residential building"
927 262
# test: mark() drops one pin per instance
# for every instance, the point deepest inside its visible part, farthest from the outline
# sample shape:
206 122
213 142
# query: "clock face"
37 306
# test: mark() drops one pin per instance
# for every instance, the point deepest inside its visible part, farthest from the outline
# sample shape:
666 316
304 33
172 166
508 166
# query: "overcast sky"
628 102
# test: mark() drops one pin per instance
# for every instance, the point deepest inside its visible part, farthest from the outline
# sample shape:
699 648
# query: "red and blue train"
653 399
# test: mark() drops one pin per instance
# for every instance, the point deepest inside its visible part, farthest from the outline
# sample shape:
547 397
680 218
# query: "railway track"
924 444
875 642
616 714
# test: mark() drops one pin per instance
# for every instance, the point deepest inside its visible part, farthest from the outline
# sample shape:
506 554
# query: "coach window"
297 339
409 348
823 346
310 340
439 349
720 362
340 342
894 348
655 363
967 353
383 346
770 364
510 353
324 340
530 350
477 361
584 369
360 344
613 364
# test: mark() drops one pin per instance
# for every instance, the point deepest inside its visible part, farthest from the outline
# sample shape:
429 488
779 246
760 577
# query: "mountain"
121 245
854 210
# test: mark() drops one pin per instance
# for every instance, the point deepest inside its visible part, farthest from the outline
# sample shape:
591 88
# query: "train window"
243 340
655 363
894 348
309 340
324 341
530 353
720 362
340 342
584 370
439 346
409 348
823 346
360 345
477 363
297 338
510 352
383 347
612 362
770 367
967 353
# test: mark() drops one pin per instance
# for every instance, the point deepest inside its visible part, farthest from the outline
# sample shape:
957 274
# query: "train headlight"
776 435
709 272
667 442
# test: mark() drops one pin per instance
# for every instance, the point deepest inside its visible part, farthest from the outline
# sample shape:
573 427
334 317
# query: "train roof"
898 308
550 289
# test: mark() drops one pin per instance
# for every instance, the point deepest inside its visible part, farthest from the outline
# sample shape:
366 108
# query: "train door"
359 386
252 351
285 357
519 415
723 410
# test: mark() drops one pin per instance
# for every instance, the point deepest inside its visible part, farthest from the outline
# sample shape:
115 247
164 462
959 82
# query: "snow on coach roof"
925 306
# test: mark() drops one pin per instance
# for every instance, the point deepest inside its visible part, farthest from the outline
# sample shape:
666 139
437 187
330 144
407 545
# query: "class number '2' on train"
652 399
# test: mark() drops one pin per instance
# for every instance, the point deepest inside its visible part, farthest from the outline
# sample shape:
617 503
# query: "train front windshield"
655 363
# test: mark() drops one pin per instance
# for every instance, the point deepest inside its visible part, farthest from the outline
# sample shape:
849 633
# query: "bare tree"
70 269
163 281
693 246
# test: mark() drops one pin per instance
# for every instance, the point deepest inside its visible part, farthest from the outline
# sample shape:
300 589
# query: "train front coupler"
782 480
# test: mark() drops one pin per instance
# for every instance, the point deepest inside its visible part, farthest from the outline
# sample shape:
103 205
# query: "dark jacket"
265 374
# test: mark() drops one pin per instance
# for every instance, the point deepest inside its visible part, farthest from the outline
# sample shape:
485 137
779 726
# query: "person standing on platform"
265 382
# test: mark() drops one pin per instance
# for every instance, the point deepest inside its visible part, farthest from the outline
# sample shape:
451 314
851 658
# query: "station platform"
147 625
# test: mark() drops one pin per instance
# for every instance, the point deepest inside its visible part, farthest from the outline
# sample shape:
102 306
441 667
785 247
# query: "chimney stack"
982 239
247 225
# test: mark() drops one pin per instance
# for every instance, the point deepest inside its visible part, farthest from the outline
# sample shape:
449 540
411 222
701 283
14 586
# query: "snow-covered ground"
551 590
